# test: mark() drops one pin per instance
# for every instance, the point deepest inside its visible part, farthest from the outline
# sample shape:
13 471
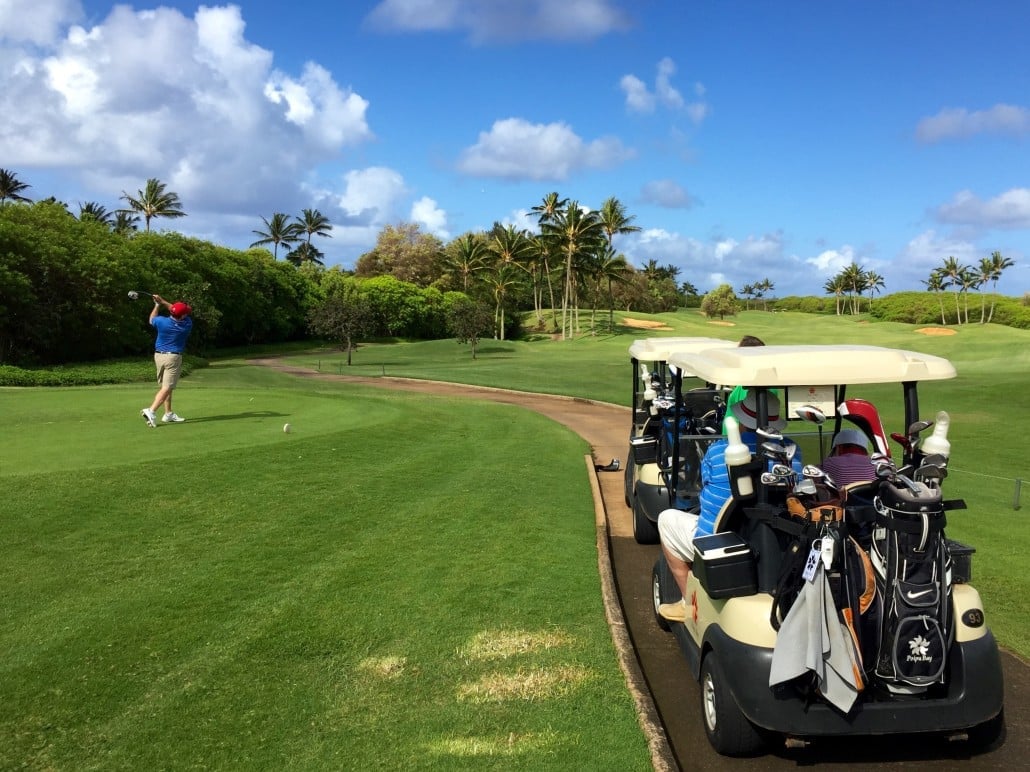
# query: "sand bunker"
646 324
935 331
724 324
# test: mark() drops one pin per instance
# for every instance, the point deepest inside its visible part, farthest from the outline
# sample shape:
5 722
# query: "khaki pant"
168 368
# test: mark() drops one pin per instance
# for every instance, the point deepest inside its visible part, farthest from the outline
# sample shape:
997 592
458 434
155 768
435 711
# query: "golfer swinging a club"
172 333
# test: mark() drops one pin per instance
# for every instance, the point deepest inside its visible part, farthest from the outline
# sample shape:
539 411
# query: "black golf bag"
910 558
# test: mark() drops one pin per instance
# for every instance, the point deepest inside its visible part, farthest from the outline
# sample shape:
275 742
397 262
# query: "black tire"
663 590
728 730
989 734
630 478
644 530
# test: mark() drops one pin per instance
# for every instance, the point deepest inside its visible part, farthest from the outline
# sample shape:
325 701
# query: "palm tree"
153 201
278 230
124 222
305 253
11 187
547 210
314 223
91 210
765 285
465 257
509 245
836 287
968 280
504 278
854 280
575 233
951 276
611 268
747 291
936 284
998 266
614 219
874 283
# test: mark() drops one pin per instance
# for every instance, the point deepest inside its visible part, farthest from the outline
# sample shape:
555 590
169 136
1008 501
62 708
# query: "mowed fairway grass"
402 582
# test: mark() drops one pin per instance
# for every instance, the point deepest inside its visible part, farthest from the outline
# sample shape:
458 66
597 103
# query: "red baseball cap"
180 309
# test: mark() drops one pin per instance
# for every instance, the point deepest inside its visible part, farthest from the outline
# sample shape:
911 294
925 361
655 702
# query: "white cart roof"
660 349
811 365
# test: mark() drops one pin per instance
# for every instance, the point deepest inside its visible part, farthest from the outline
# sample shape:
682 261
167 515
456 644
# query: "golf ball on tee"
286 428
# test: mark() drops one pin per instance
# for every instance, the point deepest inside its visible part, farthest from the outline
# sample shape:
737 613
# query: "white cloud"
832 261
488 20
36 22
428 214
640 100
189 100
371 195
666 193
959 123
1010 209
516 149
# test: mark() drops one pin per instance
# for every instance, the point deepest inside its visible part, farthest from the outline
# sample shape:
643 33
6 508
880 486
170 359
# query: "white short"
676 529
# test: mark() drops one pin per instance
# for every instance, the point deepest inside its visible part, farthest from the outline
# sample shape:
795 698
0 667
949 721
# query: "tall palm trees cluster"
849 284
756 291
280 229
962 279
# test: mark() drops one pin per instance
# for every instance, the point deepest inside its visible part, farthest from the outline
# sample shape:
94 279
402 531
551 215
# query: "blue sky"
750 140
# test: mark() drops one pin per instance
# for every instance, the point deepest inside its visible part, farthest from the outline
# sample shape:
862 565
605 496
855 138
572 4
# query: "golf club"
135 294
814 415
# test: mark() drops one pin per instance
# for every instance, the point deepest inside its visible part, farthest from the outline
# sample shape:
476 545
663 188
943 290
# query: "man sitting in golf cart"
677 528
848 461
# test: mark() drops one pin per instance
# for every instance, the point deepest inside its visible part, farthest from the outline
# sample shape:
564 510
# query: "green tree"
935 284
11 187
502 280
305 253
278 230
720 302
951 274
574 234
547 212
614 219
837 288
343 318
874 283
92 211
469 320
853 276
998 264
124 222
611 269
747 291
464 257
153 201
314 223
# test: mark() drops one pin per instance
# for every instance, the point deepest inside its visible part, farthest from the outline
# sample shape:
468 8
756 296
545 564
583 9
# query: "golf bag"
910 558
851 576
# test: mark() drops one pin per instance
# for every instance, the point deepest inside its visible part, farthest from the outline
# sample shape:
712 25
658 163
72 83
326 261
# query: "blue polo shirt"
171 333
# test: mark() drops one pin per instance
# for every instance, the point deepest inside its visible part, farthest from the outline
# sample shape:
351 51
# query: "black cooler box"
725 565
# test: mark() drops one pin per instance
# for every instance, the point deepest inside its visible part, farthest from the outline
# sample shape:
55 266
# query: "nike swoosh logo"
914 595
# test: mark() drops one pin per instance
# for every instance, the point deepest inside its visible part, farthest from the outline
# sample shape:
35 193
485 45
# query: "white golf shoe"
149 417
172 418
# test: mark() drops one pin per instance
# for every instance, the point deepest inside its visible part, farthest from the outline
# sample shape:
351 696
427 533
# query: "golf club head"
133 295
791 451
773 451
902 440
805 487
768 478
781 471
812 471
884 471
769 434
811 414
917 427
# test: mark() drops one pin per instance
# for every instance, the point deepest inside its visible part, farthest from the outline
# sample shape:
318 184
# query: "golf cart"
650 483
815 610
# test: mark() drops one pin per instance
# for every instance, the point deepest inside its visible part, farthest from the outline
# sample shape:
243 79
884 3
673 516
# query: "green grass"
402 582
384 587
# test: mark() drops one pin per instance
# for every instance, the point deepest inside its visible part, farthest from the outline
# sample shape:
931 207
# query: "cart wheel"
644 531
728 730
663 590
630 478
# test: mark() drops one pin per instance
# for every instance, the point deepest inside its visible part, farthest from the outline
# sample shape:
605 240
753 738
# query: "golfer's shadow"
236 416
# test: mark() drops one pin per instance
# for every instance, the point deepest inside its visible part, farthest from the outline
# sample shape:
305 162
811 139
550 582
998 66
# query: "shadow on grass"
237 416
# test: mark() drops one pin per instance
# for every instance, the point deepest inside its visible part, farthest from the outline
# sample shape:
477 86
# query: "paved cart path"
668 696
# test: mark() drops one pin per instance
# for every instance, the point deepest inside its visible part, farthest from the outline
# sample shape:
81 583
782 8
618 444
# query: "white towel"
813 638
